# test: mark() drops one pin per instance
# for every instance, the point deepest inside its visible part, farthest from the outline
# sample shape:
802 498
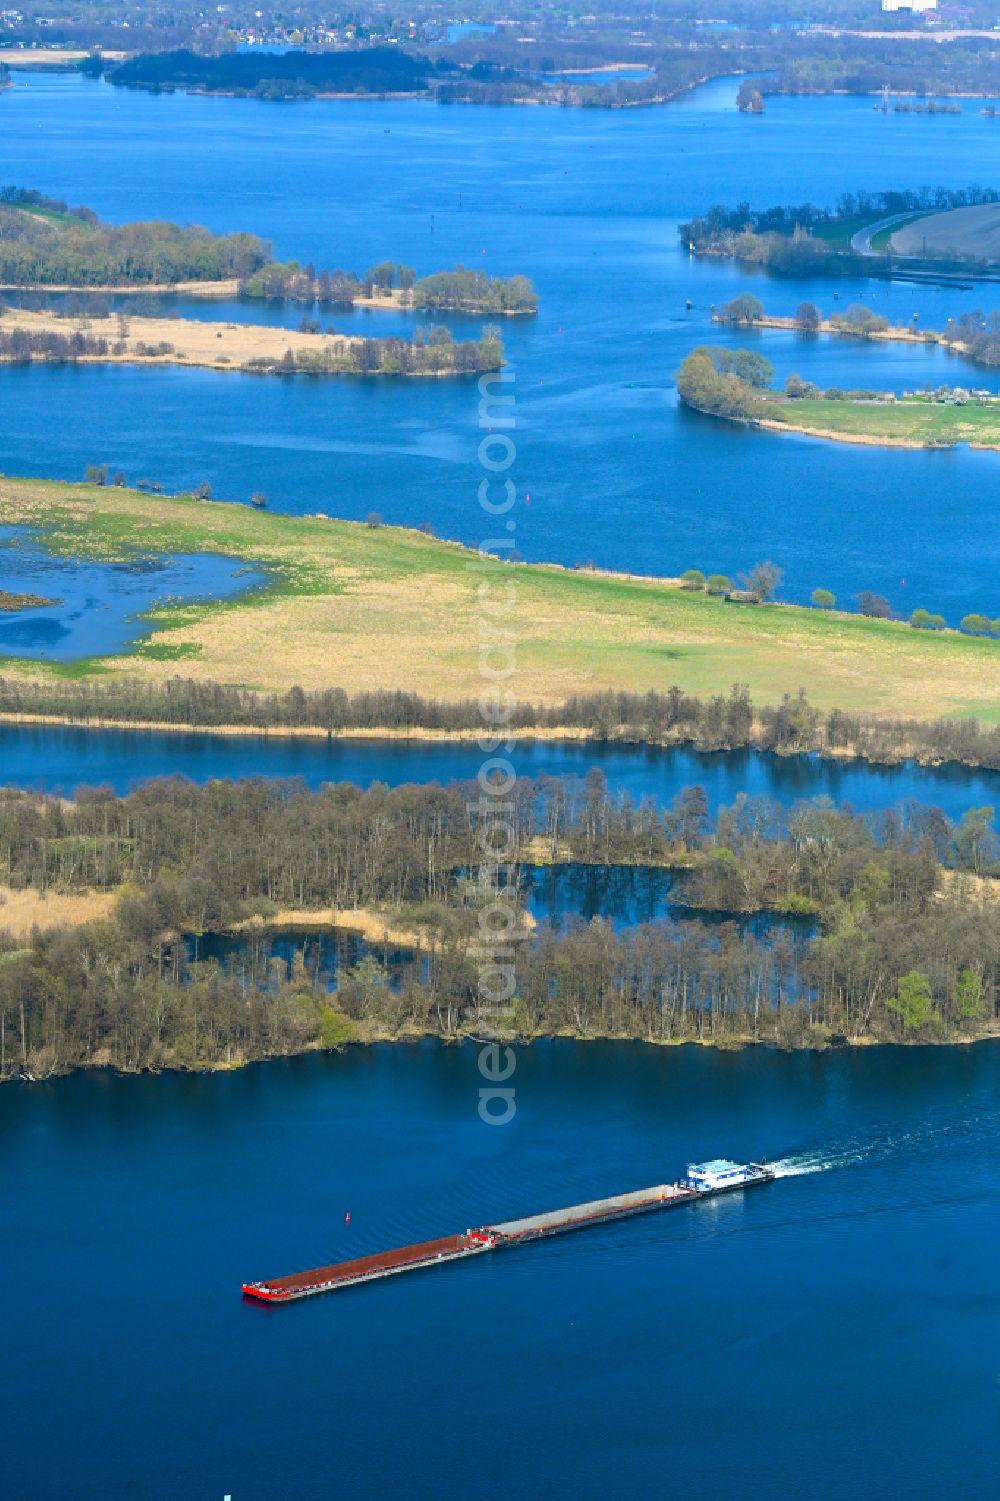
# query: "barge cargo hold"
703 1181
579 1216
368 1268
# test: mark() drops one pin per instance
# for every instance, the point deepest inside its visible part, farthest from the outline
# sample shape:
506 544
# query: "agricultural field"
962 233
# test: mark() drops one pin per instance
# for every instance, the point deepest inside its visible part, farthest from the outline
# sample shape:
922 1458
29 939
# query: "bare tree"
762 581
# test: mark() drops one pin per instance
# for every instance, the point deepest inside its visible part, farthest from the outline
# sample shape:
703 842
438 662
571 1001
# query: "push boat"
702 1180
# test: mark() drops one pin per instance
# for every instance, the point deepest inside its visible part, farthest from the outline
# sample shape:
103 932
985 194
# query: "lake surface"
587 203
844 1320
263 958
95 609
627 895
58 758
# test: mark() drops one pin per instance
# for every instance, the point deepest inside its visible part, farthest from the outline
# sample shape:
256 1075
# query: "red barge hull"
367 1268
487 1238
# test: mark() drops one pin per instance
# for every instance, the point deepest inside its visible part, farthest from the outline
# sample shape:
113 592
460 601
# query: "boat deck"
615 1207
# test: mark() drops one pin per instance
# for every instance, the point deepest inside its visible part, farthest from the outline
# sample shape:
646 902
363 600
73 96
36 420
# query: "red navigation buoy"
347 1218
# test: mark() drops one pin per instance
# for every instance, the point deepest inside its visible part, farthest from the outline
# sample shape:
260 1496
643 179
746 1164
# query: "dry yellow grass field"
357 607
21 911
49 57
376 927
227 288
215 346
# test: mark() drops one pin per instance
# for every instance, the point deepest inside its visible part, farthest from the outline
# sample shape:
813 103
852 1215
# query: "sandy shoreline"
36 59
769 424
292 732
399 301
526 101
392 301
544 733
412 1033
373 926
895 334
228 288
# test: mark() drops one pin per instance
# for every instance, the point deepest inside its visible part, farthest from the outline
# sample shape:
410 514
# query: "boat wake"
794 1167
888 1142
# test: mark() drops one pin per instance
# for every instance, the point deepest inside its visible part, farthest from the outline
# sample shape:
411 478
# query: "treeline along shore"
905 942
973 333
47 244
722 723
398 73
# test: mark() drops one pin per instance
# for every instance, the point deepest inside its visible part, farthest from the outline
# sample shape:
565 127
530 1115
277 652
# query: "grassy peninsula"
367 607
910 421
735 385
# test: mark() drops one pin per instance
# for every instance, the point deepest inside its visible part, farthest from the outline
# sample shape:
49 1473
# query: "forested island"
735 384
391 284
44 243
392 72
246 348
806 240
385 71
903 942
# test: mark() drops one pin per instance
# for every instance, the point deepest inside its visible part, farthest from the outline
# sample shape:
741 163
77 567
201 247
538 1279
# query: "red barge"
702 1180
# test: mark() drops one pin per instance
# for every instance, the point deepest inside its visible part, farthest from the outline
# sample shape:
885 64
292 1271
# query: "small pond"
96 609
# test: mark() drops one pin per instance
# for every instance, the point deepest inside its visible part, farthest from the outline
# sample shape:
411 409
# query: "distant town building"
915 6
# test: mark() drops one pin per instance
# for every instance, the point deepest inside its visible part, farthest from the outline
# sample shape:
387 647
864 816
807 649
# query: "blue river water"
838 1329
56 758
587 203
